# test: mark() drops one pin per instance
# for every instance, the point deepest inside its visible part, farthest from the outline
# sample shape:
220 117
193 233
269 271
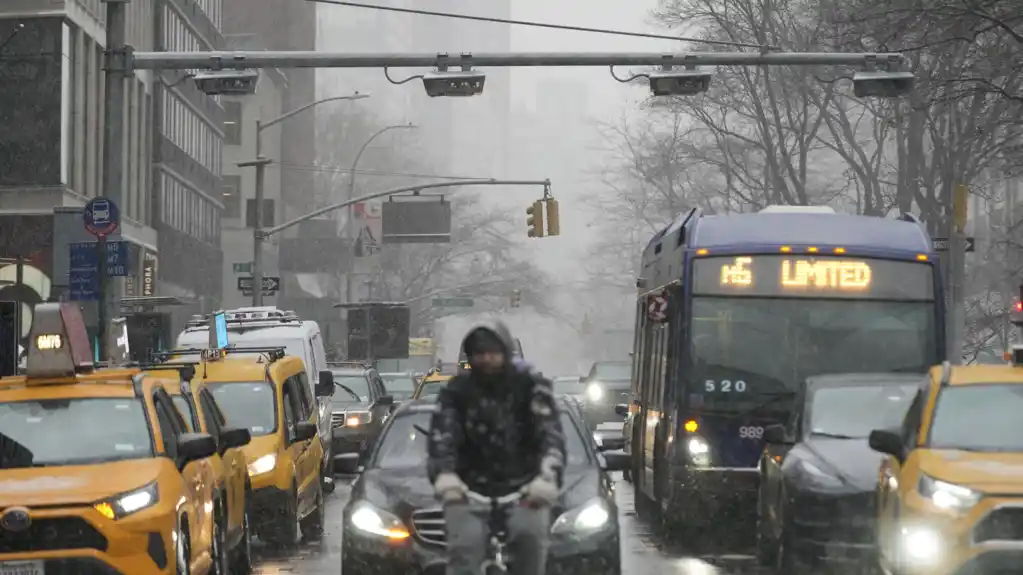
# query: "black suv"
360 406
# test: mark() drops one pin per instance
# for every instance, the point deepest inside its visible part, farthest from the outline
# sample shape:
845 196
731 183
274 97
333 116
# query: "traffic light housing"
534 219
516 298
553 217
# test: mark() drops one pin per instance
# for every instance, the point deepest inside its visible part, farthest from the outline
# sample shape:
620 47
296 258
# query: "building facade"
51 142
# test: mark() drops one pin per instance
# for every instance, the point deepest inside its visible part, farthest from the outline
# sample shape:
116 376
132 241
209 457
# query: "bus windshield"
749 346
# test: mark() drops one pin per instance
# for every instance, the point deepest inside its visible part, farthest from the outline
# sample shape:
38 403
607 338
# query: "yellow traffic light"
535 219
553 219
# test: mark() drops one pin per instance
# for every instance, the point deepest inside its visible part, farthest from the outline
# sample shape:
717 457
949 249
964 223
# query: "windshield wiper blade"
349 390
833 435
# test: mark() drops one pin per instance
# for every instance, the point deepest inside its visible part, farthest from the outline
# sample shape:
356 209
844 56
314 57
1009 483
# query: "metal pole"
375 195
254 60
118 59
257 226
349 227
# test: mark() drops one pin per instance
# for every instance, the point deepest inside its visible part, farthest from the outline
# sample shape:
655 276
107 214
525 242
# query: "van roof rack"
244 315
272 353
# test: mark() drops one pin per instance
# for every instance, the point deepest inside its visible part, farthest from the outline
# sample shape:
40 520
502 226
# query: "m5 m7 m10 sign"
419 220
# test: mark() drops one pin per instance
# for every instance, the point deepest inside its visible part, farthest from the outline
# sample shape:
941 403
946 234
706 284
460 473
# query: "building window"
231 192
268 213
233 123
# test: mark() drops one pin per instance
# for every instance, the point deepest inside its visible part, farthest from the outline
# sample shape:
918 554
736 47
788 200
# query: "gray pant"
468 537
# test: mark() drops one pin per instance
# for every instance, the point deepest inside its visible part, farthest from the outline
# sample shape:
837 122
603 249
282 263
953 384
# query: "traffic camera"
553 217
534 219
454 83
227 82
882 84
679 82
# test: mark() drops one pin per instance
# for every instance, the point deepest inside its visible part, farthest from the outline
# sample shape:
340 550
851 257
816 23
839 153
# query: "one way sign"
271 285
941 244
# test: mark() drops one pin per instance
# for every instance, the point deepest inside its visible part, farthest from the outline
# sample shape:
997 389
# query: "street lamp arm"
358 156
314 103
375 195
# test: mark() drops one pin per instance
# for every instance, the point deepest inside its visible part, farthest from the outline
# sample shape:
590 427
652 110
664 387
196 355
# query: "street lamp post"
260 163
349 227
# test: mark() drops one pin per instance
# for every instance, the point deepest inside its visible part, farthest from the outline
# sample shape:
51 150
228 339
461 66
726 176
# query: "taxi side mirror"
304 431
325 385
195 446
232 437
622 409
889 442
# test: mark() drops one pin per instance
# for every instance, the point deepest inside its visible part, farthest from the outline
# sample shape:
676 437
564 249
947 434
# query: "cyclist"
497 431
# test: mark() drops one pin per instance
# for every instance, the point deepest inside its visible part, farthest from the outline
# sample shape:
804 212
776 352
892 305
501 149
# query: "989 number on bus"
725 386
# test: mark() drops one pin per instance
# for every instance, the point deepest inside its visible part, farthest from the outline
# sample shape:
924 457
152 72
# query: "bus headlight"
594 392
699 451
948 496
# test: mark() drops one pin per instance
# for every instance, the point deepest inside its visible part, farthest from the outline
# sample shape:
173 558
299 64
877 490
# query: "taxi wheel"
241 564
221 558
312 525
182 553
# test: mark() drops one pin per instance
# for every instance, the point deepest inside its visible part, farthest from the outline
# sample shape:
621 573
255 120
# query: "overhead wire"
542 24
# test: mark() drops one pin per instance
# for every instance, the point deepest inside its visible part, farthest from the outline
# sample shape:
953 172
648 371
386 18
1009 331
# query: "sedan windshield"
979 418
404 446
854 411
357 384
252 405
54 432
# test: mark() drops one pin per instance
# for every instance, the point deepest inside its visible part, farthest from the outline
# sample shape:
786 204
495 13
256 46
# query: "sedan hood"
850 460
77 484
338 407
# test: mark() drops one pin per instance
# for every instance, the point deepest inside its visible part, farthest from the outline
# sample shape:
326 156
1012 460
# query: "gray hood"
498 329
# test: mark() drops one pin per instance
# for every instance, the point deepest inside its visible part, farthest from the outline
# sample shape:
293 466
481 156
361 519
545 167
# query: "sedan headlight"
264 464
357 418
125 504
588 518
948 495
594 392
371 520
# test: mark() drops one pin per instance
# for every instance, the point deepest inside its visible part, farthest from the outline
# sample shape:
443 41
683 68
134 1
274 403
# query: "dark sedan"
361 406
817 492
393 523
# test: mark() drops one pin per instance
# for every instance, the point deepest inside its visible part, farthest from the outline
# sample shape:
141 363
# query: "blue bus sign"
101 217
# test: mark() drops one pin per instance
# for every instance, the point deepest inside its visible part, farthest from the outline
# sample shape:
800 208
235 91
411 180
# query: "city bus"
733 313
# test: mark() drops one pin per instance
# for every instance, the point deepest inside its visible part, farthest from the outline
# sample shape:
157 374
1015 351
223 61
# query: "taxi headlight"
587 518
264 464
371 520
921 546
947 496
125 504
594 392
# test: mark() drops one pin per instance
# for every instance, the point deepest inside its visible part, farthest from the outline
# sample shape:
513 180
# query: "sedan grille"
1005 524
834 518
54 534
428 525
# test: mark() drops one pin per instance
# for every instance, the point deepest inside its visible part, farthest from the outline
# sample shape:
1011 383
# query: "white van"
271 327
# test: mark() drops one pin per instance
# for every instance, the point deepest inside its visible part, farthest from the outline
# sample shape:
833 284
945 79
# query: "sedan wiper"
833 435
349 390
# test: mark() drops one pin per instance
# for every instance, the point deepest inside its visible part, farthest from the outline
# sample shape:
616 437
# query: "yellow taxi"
950 493
266 392
231 535
431 385
99 473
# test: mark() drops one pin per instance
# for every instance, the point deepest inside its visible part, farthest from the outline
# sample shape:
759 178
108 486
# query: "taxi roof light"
58 342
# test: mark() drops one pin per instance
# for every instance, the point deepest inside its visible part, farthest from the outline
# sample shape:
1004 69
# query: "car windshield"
185 409
52 432
735 343
432 388
400 386
982 417
252 405
404 446
856 410
569 385
611 371
358 384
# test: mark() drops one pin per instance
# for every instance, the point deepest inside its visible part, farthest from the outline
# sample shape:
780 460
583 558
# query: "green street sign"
242 267
452 302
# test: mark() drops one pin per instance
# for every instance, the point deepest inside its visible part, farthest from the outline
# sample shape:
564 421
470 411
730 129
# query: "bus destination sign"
803 276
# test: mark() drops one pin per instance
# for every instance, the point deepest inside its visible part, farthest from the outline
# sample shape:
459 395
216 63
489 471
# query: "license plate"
21 568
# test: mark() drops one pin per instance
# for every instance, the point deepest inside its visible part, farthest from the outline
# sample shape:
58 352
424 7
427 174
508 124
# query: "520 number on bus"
725 386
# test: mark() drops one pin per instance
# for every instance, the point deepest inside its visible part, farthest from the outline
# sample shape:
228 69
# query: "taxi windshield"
983 417
252 405
80 431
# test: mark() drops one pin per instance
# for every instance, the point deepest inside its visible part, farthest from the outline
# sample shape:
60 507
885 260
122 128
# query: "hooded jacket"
496 431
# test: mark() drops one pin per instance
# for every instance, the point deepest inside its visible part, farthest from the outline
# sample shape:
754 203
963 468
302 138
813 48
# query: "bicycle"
496 560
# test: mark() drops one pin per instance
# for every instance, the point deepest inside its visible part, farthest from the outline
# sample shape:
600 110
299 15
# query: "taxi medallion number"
21 568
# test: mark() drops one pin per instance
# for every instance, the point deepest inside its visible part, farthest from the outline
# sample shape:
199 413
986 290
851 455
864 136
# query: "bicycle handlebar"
503 500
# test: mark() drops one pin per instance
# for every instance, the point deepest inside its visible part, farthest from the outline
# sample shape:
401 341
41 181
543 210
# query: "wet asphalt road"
642 552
